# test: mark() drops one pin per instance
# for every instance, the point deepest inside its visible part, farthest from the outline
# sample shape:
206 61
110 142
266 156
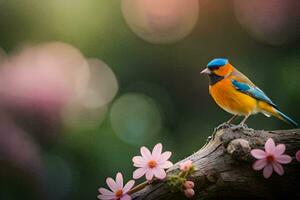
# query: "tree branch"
224 168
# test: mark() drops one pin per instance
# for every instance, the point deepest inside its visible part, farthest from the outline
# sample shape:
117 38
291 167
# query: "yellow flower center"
152 164
119 193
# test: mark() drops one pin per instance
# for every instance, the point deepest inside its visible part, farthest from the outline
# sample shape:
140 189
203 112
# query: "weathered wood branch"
224 168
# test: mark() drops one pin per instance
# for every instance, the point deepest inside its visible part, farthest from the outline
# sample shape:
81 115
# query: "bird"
237 94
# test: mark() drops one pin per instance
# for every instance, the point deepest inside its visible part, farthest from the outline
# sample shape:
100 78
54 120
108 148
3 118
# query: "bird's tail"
286 118
268 109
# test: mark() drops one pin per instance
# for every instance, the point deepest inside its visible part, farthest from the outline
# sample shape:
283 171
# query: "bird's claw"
223 126
240 127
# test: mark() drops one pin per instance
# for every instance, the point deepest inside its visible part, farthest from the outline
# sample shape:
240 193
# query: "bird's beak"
205 71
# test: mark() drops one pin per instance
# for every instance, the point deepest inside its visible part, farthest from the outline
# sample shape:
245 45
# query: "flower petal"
125 197
146 153
283 159
259 164
105 191
278 168
270 146
164 156
112 184
138 173
258 153
268 170
119 180
106 197
298 155
279 150
140 165
128 186
149 175
156 151
159 173
139 160
166 165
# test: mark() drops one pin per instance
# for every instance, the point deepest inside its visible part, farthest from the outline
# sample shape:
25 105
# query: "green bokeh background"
79 161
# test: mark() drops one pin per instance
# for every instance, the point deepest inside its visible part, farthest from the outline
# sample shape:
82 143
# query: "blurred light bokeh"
273 21
135 118
85 83
161 21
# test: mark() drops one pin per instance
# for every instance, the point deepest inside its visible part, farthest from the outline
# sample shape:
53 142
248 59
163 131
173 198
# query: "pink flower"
189 193
186 166
118 192
152 164
298 155
271 158
188 185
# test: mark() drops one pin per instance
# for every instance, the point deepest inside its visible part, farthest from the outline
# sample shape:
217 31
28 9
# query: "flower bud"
189 193
186 166
188 184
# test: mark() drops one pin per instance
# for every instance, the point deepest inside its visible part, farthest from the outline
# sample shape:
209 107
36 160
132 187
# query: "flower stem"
138 187
183 174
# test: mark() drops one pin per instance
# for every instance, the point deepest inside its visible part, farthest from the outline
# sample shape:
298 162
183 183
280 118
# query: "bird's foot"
223 126
240 127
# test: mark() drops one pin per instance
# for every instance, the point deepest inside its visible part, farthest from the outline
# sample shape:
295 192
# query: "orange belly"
231 100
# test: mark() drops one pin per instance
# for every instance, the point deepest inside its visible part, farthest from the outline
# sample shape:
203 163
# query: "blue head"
218 67
217 62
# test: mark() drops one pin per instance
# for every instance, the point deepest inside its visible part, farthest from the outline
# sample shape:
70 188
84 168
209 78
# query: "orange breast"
231 100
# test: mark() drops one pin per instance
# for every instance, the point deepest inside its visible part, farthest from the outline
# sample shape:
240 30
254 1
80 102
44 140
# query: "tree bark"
224 168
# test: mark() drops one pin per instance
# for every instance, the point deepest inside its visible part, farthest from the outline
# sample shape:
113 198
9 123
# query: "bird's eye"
215 68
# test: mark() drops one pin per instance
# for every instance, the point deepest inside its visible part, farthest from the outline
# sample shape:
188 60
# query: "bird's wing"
252 91
241 77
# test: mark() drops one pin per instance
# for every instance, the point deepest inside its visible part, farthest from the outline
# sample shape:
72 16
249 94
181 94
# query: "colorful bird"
236 94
